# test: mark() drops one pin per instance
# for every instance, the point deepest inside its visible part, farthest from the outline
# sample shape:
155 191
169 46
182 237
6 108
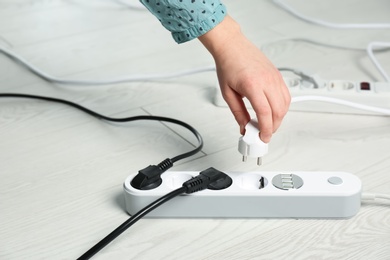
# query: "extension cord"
373 94
255 195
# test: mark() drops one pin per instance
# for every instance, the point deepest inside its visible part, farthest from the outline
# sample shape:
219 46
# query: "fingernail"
242 129
265 138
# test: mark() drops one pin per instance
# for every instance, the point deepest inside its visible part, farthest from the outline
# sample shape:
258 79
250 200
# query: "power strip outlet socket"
255 195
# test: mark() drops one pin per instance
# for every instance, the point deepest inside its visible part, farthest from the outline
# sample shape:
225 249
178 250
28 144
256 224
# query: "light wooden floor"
62 171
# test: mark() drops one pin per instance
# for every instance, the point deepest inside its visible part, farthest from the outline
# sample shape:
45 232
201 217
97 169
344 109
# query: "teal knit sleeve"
187 19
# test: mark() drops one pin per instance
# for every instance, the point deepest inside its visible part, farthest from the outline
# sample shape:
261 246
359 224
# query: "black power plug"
211 179
150 177
223 181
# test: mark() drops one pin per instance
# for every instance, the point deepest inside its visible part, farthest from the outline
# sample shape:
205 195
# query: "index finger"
262 108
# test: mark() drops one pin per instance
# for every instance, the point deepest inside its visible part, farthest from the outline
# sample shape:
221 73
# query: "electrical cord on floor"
369 49
163 76
342 102
311 20
125 79
149 177
375 196
128 223
202 181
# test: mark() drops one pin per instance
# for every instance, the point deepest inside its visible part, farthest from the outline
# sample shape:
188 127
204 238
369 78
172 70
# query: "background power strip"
256 195
376 94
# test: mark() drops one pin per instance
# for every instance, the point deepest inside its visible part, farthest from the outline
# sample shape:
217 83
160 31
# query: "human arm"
244 71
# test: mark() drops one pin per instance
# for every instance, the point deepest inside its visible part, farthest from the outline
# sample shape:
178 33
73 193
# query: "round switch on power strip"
335 180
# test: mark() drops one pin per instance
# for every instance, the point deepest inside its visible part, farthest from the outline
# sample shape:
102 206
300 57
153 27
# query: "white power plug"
250 143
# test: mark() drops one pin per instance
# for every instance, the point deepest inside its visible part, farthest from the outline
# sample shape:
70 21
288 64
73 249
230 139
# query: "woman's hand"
244 71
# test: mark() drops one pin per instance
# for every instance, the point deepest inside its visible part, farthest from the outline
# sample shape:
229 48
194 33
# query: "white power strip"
375 94
255 195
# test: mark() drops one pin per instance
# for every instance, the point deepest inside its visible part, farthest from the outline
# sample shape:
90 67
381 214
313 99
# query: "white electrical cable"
311 41
341 102
152 77
369 49
292 11
134 78
173 75
382 196
374 196
370 46
370 52
378 46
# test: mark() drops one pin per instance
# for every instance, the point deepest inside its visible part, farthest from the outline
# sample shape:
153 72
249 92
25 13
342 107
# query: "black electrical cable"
125 119
190 186
128 223
206 179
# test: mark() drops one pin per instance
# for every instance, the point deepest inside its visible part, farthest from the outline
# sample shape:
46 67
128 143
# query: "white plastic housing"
319 197
250 144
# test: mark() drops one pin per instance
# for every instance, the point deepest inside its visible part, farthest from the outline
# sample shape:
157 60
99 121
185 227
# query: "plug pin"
244 157
259 161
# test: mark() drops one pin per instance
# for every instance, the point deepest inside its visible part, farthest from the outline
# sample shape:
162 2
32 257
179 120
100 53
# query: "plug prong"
259 161
244 157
